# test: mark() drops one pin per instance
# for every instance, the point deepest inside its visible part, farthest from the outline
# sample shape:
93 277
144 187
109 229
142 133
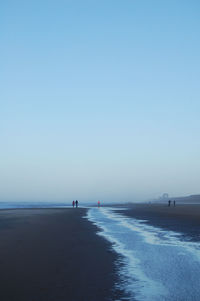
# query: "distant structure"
165 195
98 203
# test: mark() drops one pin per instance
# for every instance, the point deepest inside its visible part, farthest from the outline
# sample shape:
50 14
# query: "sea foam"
155 264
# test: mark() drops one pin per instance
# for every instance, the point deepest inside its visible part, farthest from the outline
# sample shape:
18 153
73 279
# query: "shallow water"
157 265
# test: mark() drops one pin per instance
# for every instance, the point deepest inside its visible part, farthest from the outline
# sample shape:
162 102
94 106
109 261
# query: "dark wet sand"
54 255
181 218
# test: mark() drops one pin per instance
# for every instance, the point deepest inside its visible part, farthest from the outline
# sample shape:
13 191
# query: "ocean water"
155 264
28 205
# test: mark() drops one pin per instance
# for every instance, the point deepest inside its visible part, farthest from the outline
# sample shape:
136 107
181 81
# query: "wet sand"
184 218
54 255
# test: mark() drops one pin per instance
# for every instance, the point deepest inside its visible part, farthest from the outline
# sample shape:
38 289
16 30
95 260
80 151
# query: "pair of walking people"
75 203
169 203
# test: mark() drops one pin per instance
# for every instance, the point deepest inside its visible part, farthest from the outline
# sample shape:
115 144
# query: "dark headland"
54 255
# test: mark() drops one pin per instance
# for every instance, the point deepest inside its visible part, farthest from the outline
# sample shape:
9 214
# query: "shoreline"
183 218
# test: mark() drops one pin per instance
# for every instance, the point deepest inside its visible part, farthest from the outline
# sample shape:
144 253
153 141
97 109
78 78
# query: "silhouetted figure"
169 203
174 203
98 203
76 204
73 204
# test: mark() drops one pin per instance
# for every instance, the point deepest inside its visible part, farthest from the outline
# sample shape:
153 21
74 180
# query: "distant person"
174 203
169 203
76 203
98 203
73 203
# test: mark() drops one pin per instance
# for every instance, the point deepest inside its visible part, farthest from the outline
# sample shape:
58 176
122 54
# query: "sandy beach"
184 218
54 254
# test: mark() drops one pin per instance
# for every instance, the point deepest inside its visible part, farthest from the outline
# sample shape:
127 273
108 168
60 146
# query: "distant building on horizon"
165 196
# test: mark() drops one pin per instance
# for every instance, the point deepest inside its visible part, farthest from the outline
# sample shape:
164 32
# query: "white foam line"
155 235
133 280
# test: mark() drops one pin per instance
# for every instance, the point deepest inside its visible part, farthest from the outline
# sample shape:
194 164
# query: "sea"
154 264
41 204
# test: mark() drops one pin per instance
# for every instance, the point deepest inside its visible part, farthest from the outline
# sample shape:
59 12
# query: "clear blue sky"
99 99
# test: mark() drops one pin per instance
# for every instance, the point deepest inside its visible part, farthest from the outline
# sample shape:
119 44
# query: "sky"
99 99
